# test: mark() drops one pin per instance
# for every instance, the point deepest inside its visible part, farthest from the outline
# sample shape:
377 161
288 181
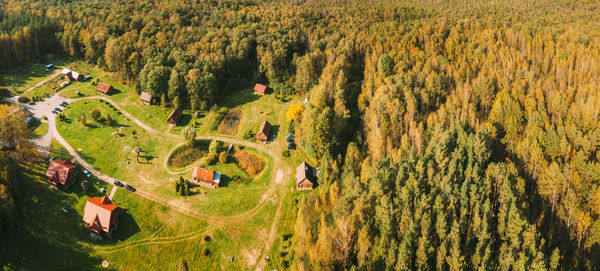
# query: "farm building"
101 216
61 173
104 88
260 89
206 177
175 116
145 97
264 132
64 84
306 177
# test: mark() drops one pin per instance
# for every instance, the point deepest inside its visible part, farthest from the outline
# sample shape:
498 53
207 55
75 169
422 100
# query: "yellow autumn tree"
294 111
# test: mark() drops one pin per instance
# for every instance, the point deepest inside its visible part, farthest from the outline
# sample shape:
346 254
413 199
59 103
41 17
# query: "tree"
189 134
223 157
385 65
214 146
293 112
95 114
108 120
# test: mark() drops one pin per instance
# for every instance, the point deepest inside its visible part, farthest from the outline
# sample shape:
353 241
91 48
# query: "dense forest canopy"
451 134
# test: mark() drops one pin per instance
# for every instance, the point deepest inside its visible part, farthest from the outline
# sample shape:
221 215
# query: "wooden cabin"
101 216
306 177
146 98
175 117
264 132
104 88
260 89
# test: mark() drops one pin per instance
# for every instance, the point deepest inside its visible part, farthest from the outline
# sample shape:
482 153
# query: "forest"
451 135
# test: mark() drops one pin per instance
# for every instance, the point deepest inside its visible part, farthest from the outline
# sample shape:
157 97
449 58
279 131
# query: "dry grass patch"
249 162
188 154
230 122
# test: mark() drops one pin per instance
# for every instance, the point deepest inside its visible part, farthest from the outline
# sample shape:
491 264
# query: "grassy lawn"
149 236
40 129
113 155
22 78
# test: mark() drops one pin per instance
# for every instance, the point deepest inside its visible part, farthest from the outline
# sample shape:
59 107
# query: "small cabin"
146 98
104 88
206 177
175 117
264 132
306 177
260 89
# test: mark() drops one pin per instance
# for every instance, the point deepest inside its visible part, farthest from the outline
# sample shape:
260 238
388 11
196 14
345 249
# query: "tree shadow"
185 120
274 131
245 95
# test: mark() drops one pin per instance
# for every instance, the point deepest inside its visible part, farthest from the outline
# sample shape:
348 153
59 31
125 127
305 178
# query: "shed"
103 88
260 89
264 132
175 116
64 84
145 97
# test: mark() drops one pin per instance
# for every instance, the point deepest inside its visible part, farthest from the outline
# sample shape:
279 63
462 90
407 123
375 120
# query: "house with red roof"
206 177
104 88
260 89
101 216
61 173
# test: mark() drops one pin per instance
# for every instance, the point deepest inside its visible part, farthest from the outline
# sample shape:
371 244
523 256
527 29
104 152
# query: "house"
206 177
70 75
306 177
264 132
61 172
175 116
101 216
103 88
145 97
260 89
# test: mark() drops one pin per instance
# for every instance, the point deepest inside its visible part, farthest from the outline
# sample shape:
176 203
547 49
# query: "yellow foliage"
294 111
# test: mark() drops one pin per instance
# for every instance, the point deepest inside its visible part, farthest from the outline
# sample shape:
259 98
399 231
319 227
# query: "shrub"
249 134
23 100
210 159
240 179
249 162
285 153
108 120
95 114
44 118
223 157
214 146
182 187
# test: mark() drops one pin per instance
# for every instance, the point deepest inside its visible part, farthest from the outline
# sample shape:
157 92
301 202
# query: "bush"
182 187
249 134
240 179
223 157
95 114
249 162
23 100
44 118
210 159
214 146
285 153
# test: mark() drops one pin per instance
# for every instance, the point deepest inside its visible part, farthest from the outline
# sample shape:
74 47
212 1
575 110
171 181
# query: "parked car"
117 183
51 158
291 146
64 104
290 137
87 173
57 109
32 103
290 140
130 188
54 111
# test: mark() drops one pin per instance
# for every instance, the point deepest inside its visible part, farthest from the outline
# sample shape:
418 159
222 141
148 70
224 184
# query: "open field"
22 78
113 155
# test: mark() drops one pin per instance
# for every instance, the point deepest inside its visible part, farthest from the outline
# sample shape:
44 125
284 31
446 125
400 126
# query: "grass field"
149 236
40 129
22 78
113 155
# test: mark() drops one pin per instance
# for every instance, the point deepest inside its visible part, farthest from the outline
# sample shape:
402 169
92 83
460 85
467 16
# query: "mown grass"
113 155
21 78
40 129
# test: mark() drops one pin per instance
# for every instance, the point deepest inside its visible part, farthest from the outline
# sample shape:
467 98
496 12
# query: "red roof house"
207 177
103 87
260 89
61 172
101 216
